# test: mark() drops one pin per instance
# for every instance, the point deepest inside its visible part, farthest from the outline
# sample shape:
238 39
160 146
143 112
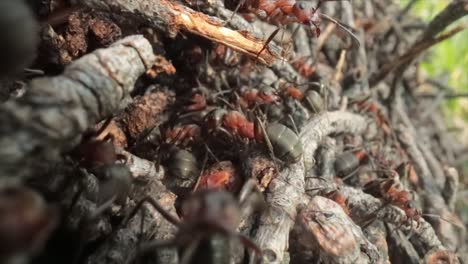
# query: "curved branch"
55 110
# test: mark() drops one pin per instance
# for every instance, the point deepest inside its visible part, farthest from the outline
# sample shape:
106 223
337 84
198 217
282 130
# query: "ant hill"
236 131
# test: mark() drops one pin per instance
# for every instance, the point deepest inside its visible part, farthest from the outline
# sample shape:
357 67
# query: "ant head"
214 118
26 221
217 209
412 211
306 14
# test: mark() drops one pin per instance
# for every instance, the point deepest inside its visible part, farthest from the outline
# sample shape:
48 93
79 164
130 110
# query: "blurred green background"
447 61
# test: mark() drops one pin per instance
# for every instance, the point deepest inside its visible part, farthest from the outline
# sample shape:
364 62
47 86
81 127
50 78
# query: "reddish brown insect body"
339 199
291 11
389 191
222 175
198 103
182 135
285 12
373 108
252 97
238 124
232 122
293 92
303 67
205 213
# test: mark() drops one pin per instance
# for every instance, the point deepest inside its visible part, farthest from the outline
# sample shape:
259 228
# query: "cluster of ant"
229 129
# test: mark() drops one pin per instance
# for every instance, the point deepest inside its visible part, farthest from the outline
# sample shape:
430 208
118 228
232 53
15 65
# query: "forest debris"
364 204
285 192
161 66
326 227
55 110
171 16
436 256
25 224
411 54
144 113
141 168
141 228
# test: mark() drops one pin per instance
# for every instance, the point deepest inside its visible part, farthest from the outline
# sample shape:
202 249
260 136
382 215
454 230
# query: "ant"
291 11
205 213
25 224
312 97
183 135
232 123
347 163
338 198
253 97
390 191
100 157
373 108
221 175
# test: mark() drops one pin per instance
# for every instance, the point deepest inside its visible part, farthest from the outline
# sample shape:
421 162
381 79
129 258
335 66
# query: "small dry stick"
286 192
170 17
48 119
411 54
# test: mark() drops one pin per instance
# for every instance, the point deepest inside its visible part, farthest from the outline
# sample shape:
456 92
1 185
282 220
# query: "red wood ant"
100 157
25 224
291 11
221 175
232 123
374 109
347 163
312 97
389 191
205 213
198 103
392 193
182 135
339 199
303 67
94 152
252 97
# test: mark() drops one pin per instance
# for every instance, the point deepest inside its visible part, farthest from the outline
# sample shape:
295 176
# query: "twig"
339 67
363 204
406 9
454 11
448 96
49 117
325 227
170 17
411 54
285 192
122 242
141 167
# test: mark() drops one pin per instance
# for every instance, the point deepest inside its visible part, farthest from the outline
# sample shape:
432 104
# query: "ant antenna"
340 25
444 219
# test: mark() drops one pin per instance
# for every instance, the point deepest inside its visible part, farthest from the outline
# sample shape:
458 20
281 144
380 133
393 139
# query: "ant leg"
269 39
190 250
104 127
205 159
168 216
342 26
248 243
149 247
266 138
88 220
247 189
411 232
241 2
351 174
293 124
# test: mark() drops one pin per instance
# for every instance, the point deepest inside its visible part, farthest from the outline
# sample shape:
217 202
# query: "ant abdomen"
286 144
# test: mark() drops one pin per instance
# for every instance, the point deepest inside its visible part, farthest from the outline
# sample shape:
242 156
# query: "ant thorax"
215 210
